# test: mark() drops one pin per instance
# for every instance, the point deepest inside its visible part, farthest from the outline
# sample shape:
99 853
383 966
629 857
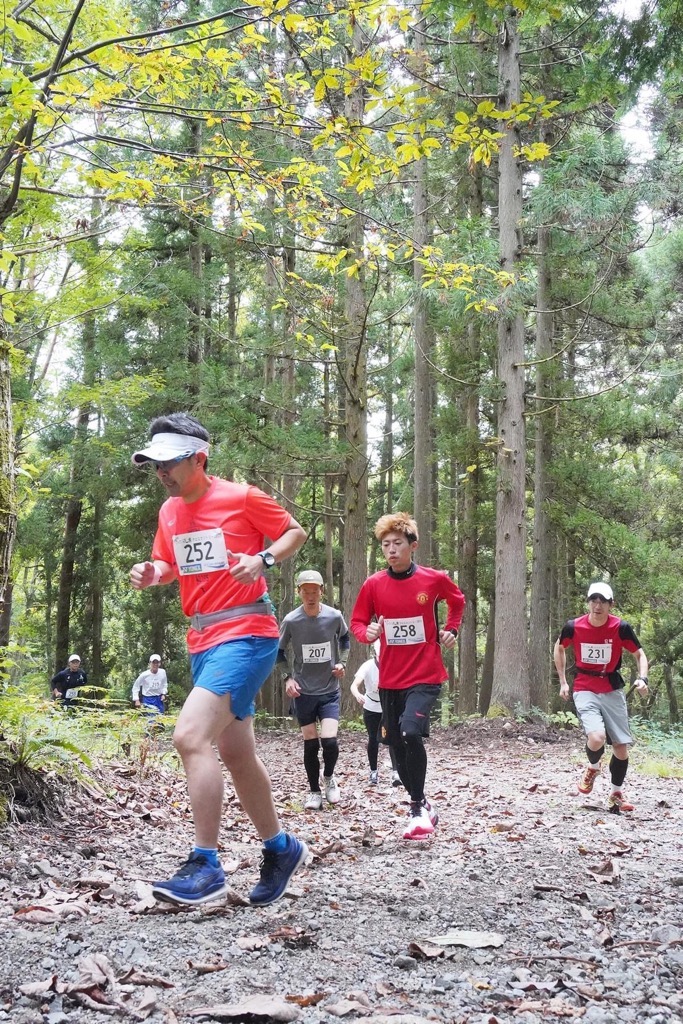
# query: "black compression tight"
373 722
330 745
411 764
312 764
617 769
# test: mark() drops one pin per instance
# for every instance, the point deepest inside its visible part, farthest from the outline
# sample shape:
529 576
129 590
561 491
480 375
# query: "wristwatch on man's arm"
268 559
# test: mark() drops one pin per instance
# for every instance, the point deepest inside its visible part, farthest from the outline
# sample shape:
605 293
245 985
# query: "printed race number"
316 654
203 551
400 632
596 654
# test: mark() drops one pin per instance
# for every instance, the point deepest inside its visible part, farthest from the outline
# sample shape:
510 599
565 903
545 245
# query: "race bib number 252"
202 551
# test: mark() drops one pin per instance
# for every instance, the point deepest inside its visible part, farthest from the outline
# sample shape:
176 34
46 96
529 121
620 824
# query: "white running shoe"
374 778
421 823
332 791
433 816
314 802
396 779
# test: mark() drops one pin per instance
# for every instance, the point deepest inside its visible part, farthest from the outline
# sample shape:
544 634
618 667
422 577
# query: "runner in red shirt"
210 538
598 640
399 606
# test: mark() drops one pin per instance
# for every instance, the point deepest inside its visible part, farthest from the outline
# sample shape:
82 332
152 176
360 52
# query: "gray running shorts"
606 711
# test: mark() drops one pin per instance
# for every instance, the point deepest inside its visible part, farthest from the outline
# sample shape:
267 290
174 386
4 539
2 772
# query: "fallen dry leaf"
258 1006
471 939
344 1006
207 968
425 950
147 1005
135 977
252 942
311 1000
39 988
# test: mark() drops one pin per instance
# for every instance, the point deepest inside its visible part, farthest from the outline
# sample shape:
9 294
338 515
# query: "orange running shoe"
587 780
616 803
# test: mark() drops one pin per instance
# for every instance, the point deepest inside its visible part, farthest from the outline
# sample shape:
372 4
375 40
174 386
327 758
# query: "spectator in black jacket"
64 685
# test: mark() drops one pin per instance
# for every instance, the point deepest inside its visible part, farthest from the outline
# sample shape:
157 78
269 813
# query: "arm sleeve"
362 614
344 646
57 682
282 660
164 684
567 634
455 599
137 686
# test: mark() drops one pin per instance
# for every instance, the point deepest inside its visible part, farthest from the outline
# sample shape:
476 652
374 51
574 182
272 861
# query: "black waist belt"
200 622
589 672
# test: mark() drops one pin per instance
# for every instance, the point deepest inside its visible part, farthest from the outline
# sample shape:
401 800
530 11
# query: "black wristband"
453 631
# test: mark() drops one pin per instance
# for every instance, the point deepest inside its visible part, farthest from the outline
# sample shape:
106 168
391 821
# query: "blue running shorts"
238 667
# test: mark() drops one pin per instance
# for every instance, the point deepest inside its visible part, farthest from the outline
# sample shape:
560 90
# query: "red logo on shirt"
422 598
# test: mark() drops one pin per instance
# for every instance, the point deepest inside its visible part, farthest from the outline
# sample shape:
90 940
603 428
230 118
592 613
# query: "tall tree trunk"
486 687
231 269
8 517
423 408
354 370
72 519
469 504
195 334
78 484
96 584
510 664
671 692
539 634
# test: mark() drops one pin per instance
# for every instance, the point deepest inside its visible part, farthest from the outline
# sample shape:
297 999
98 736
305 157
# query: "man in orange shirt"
211 538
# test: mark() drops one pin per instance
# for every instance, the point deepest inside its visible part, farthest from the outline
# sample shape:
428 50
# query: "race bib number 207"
202 551
316 654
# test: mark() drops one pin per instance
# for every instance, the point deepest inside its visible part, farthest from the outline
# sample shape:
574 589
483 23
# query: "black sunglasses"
169 463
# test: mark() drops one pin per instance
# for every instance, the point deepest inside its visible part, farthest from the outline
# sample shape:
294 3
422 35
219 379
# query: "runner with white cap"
150 689
320 642
65 684
210 537
598 640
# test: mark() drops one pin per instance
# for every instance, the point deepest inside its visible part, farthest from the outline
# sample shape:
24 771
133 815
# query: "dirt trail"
587 906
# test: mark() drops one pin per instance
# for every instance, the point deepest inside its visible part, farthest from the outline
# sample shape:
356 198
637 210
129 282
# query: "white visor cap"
163 447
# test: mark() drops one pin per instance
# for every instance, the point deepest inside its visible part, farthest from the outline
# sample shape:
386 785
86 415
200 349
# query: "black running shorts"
407 711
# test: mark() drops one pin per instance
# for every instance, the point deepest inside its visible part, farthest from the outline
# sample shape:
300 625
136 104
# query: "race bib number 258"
401 632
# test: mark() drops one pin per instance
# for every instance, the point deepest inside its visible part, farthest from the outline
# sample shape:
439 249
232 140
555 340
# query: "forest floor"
529 904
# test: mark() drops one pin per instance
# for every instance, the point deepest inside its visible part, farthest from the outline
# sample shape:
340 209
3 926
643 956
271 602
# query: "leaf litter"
585 908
